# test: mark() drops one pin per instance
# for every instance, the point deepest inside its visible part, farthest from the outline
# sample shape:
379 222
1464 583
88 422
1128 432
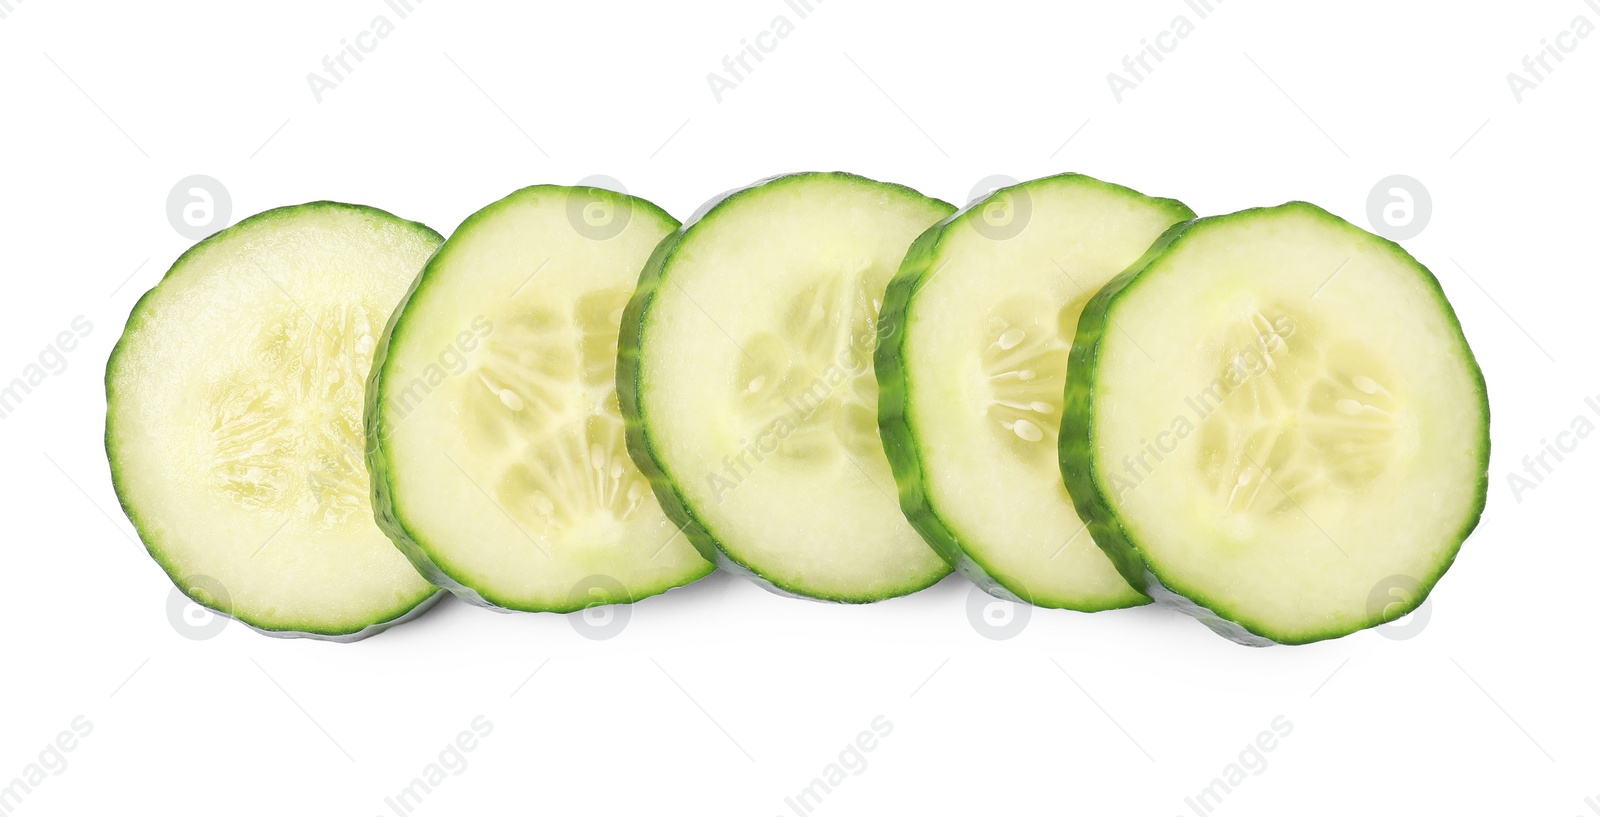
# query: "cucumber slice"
1269 416
745 374
495 442
970 398
233 420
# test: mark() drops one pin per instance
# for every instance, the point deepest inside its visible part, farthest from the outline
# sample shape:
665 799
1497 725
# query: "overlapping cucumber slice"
745 375
1270 415
495 442
234 420
987 302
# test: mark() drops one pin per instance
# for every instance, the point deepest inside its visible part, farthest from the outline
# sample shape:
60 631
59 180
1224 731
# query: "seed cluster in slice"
987 302
1273 419
1322 415
544 388
746 378
234 420
496 444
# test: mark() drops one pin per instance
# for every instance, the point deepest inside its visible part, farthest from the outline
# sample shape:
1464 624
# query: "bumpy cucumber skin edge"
1092 500
135 319
384 506
642 449
894 388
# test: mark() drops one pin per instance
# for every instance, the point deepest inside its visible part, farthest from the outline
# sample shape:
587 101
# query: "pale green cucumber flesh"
1273 420
233 421
986 304
746 380
494 438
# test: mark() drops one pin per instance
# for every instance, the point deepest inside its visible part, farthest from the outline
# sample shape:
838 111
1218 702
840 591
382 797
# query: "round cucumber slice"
1270 415
970 401
495 442
233 420
745 375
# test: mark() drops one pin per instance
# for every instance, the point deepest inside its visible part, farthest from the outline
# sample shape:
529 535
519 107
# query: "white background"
721 698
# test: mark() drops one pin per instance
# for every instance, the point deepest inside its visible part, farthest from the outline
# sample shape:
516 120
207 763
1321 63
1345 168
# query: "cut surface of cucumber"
987 302
234 420
1270 415
745 375
495 443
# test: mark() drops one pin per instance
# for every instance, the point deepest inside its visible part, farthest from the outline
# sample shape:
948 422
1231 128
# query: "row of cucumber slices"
1077 395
